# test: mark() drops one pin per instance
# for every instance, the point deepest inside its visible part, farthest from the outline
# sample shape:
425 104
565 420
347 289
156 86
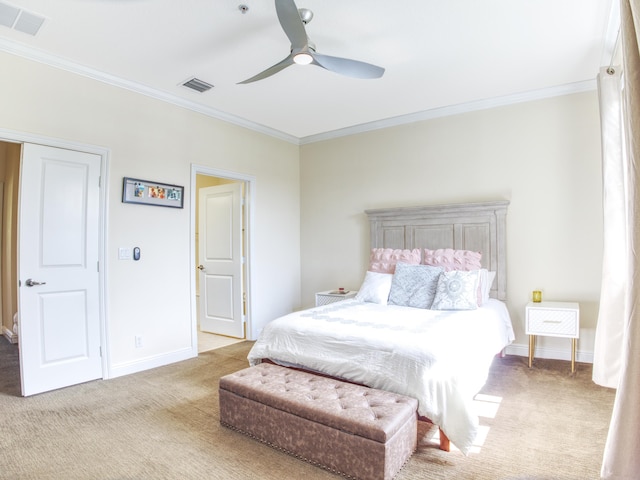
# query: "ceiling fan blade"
348 67
291 23
271 70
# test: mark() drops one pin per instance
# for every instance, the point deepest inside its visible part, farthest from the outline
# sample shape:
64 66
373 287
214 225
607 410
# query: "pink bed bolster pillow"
383 260
451 259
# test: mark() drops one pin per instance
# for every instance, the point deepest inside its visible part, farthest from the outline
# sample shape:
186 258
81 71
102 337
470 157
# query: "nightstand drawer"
552 322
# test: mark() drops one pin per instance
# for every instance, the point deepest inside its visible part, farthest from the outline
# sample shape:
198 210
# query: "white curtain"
621 459
609 331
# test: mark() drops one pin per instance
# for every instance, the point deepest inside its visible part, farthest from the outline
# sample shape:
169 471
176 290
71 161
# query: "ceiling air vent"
20 20
8 15
197 85
29 23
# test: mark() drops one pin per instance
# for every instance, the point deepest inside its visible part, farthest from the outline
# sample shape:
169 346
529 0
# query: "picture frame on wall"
146 192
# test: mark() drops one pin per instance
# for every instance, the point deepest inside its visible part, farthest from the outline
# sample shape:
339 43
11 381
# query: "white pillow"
491 276
457 290
485 280
375 288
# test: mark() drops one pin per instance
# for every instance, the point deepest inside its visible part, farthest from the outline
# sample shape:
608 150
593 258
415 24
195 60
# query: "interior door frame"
249 204
12 136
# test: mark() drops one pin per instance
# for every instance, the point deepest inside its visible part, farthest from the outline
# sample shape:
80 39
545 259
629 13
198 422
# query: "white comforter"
441 358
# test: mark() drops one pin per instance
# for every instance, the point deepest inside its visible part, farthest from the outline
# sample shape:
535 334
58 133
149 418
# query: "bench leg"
445 444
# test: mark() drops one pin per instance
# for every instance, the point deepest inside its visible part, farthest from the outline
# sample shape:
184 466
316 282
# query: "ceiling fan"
303 51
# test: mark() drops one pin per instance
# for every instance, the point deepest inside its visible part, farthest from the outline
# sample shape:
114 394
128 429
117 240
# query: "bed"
390 337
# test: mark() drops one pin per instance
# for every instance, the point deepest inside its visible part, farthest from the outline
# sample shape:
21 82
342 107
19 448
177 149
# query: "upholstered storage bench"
358 432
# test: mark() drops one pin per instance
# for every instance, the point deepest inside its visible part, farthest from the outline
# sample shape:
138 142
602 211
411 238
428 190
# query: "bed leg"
445 445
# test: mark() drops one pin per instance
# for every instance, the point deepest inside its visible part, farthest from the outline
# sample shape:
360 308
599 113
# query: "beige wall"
153 140
543 156
310 232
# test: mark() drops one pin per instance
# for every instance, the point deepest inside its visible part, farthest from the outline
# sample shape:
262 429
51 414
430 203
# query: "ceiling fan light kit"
303 52
303 56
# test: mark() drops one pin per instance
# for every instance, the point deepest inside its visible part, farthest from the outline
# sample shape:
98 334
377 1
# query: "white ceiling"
441 56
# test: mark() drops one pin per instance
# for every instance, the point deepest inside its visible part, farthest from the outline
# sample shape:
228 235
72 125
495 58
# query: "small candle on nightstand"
537 296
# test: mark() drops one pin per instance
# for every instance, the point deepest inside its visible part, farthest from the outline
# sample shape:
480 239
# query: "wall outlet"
138 339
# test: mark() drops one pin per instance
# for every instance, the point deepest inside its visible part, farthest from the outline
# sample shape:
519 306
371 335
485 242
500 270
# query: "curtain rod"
610 69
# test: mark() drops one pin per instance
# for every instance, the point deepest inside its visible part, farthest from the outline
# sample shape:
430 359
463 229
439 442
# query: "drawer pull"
552 321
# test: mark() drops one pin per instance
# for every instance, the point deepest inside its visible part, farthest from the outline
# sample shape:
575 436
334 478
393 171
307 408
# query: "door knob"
200 267
31 283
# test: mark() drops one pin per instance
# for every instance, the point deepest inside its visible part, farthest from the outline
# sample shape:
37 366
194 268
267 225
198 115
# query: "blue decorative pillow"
414 285
457 290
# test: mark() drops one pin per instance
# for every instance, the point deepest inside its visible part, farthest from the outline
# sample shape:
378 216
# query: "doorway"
229 298
9 176
72 168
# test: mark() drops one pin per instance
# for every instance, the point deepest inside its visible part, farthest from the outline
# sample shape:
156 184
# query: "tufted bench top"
355 409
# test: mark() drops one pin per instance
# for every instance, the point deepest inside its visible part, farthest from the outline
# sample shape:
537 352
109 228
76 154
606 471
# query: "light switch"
124 253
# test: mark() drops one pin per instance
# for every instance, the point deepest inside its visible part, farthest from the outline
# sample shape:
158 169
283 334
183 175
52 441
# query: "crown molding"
450 110
57 62
63 64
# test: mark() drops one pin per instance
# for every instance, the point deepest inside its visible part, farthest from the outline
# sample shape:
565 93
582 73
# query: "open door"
221 260
59 306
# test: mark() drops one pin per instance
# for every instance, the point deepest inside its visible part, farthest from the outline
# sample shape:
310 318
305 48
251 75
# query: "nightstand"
553 319
325 298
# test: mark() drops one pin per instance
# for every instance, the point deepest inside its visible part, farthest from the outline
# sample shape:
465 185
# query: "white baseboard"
9 335
550 353
151 362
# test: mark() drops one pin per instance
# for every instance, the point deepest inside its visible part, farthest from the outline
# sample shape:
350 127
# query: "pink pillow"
383 260
451 259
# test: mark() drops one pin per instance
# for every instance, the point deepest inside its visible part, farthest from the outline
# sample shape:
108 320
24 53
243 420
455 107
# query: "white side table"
553 319
325 298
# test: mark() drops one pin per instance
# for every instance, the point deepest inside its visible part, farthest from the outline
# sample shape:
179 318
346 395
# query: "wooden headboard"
480 227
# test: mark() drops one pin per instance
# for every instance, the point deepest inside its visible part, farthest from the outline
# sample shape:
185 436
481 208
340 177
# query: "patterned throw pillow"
414 285
456 290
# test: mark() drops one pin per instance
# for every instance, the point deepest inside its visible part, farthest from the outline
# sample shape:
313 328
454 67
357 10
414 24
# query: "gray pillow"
414 285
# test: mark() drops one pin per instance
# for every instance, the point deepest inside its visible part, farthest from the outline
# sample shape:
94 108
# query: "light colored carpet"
541 423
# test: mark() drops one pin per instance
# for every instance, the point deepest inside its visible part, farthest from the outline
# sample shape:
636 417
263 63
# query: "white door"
220 256
59 313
